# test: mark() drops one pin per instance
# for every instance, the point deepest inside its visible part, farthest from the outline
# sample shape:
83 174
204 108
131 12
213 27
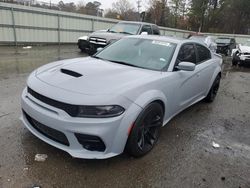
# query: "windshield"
223 40
198 38
126 28
143 53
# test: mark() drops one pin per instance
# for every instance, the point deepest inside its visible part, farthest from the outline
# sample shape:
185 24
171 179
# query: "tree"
157 12
197 14
81 7
227 16
238 12
69 7
122 9
93 8
178 9
112 14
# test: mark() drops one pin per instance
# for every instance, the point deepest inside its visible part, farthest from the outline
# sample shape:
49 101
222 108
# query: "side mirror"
99 49
186 66
144 33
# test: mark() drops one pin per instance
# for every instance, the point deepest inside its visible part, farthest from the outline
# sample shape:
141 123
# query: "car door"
188 83
205 68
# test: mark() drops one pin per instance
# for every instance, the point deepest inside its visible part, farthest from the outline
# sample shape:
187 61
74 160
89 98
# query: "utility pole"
203 8
138 5
138 8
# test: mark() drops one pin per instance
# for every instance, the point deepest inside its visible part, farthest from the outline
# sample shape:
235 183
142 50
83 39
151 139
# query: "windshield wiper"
124 63
124 32
93 56
118 62
112 31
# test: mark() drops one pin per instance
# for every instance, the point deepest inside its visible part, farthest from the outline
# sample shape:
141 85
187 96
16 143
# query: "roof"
198 36
134 22
160 37
175 40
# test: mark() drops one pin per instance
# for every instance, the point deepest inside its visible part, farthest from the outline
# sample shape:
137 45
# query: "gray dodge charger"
118 99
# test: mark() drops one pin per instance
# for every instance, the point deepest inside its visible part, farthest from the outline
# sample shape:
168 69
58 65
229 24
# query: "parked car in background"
241 54
83 43
119 98
225 45
101 39
208 40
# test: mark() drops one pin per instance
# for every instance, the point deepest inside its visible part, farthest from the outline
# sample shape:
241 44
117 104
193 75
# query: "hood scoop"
71 73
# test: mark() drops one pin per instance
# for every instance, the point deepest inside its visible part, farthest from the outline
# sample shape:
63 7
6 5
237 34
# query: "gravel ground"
184 156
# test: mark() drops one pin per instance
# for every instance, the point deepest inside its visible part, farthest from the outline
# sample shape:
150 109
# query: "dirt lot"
184 156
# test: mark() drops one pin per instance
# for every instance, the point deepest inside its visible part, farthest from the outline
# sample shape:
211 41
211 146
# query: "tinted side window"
203 53
187 53
146 28
155 30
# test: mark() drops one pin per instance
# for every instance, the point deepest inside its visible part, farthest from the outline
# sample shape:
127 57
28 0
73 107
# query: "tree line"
221 16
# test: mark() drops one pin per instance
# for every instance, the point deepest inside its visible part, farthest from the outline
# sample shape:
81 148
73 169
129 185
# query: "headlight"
83 38
100 111
243 58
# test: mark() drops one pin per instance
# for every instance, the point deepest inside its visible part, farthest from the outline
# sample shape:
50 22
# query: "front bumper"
83 44
113 132
242 58
93 47
222 49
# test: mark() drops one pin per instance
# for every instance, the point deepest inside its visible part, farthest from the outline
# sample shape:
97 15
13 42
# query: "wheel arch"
219 74
216 73
139 104
159 101
152 96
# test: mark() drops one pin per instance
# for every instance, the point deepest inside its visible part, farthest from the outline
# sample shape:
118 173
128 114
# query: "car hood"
244 49
222 44
108 35
92 76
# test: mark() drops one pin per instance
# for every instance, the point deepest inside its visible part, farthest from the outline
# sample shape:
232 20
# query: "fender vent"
71 73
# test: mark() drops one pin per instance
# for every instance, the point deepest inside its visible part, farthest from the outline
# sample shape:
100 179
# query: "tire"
83 50
145 131
213 90
241 63
82 45
236 59
234 62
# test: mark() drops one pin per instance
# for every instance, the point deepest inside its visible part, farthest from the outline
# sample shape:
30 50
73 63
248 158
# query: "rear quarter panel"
217 62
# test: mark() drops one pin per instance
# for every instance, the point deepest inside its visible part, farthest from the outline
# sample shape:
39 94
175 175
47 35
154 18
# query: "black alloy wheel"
145 131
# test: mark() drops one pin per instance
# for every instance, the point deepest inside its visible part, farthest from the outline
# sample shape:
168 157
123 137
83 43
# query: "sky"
105 3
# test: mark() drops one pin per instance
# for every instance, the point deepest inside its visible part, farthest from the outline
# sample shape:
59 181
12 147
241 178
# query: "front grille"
72 110
53 134
99 41
246 53
91 143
